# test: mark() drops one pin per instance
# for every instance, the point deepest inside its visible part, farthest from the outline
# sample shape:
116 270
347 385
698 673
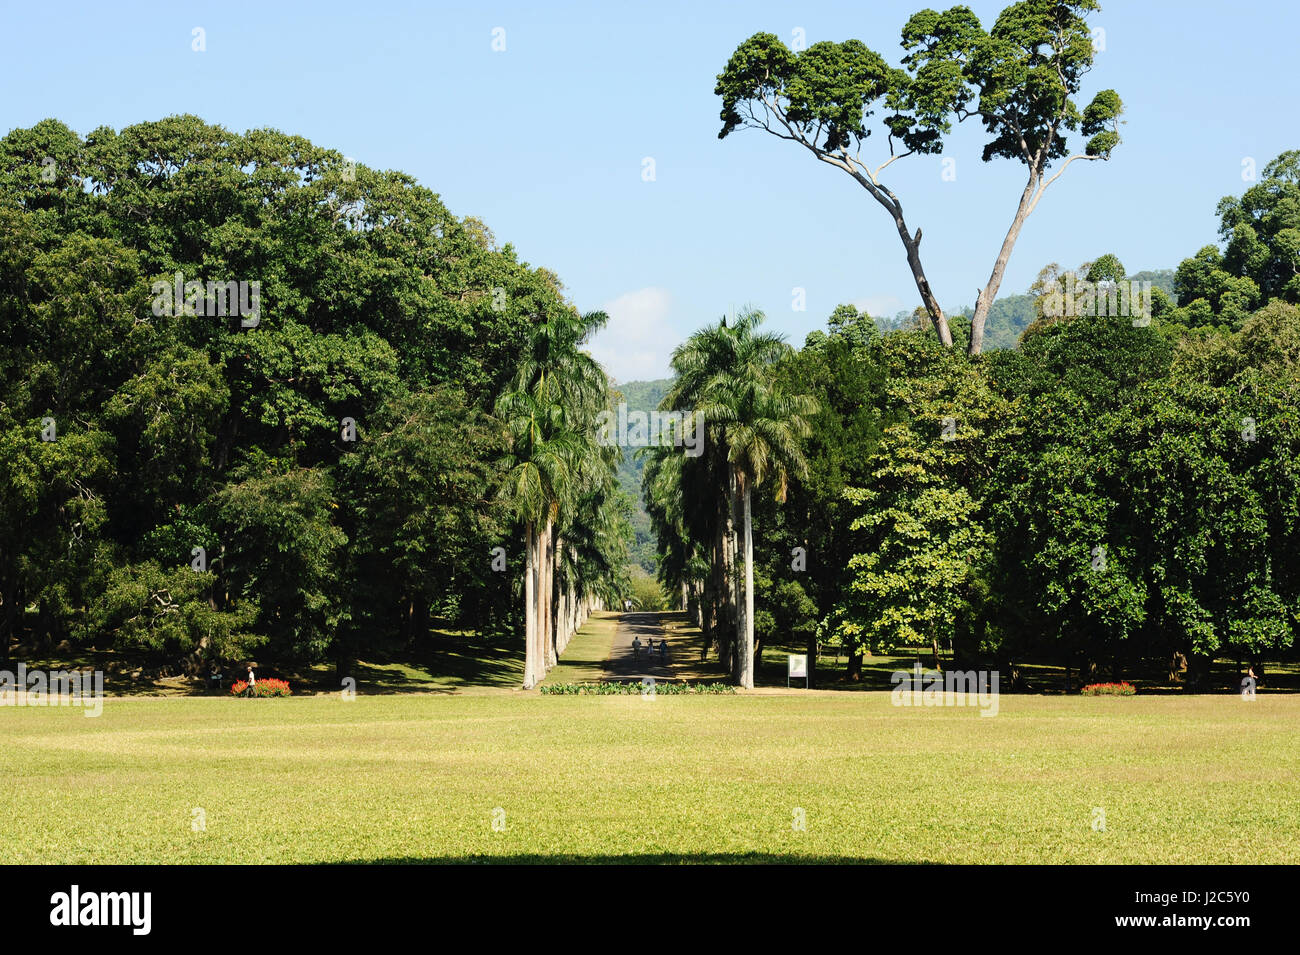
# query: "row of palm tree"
560 484
701 507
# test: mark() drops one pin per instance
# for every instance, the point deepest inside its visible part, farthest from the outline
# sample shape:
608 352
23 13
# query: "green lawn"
414 777
584 658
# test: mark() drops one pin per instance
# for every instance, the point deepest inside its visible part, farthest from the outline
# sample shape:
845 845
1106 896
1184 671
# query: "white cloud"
639 339
879 306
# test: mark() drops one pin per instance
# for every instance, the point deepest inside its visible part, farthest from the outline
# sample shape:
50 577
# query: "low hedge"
634 689
1109 689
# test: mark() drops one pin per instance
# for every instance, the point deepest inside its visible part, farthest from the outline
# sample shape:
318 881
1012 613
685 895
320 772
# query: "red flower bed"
262 688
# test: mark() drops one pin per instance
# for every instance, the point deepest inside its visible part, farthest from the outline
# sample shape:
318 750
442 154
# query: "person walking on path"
636 648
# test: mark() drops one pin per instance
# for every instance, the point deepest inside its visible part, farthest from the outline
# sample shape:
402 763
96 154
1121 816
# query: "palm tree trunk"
544 598
530 610
717 599
548 586
748 643
572 612
735 518
706 606
562 614
558 602
726 635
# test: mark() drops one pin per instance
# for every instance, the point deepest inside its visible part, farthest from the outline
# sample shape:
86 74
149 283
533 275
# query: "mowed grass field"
417 777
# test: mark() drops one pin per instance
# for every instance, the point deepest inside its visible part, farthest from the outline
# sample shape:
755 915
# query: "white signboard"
797 667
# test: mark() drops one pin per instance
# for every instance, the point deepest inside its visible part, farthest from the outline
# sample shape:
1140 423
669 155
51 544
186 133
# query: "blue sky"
545 140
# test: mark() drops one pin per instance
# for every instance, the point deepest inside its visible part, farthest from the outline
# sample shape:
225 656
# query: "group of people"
663 648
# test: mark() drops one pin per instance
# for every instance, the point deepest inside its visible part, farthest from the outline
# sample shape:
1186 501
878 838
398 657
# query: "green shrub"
635 688
1109 689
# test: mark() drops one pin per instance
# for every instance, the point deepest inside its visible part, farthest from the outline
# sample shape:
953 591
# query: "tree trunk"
8 618
548 583
560 621
912 243
548 577
419 622
990 291
747 680
345 659
706 612
543 599
570 613
913 246
722 635
734 585
530 610
1177 667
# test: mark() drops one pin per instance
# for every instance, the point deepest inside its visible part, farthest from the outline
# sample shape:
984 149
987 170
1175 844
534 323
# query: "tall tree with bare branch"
1018 78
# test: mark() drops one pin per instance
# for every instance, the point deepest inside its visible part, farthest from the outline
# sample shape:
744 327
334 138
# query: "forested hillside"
639 396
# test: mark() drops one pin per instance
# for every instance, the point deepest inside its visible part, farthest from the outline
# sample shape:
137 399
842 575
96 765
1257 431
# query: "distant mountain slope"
640 396
1012 314
1162 279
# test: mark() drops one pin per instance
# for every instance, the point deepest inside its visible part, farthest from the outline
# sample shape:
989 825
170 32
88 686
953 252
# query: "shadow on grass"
1224 676
440 663
652 858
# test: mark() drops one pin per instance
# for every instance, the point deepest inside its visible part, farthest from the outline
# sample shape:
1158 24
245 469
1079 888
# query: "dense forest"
1121 487
257 397
1118 489
388 426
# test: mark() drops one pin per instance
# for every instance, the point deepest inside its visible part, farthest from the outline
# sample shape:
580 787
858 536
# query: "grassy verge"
417 777
584 658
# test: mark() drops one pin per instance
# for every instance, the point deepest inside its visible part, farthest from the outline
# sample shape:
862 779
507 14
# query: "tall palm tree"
764 429
538 465
754 429
548 410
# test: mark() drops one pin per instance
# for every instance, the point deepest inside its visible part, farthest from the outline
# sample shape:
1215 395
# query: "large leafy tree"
824 98
1019 78
920 536
810 542
1260 260
177 430
414 562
